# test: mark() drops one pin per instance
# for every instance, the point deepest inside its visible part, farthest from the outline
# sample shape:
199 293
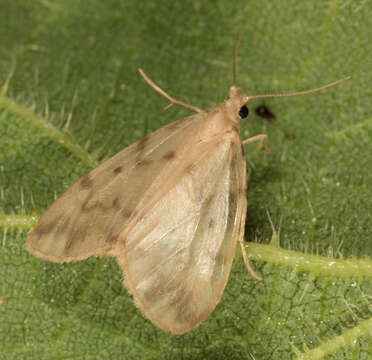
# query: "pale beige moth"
171 207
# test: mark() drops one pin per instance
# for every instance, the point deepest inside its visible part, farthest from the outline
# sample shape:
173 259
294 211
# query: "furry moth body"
171 207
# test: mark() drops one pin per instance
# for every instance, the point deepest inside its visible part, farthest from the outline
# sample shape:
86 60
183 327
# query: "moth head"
236 104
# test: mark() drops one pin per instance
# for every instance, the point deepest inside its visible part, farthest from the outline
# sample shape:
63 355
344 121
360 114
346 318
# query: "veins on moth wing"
144 162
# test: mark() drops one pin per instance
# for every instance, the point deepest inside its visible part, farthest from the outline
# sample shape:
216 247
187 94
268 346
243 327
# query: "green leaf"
71 96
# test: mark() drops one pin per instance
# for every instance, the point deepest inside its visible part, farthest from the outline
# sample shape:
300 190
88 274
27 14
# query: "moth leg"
246 261
262 137
172 100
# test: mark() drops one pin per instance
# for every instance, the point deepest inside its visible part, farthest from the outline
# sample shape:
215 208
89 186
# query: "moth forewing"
88 217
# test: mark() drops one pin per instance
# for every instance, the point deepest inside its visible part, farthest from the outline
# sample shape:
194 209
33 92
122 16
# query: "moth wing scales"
88 217
177 259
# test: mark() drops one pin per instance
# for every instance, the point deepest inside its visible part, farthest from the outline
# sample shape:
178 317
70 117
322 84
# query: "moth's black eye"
243 112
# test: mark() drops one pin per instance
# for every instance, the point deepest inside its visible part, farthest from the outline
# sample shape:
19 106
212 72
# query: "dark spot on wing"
243 152
169 155
117 170
211 223
141 144
86 181
116 204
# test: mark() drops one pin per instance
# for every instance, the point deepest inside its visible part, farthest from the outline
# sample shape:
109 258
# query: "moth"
171 208
264 112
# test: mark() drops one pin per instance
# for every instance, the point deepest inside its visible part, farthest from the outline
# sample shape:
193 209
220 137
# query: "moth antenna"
170 98
300 92
236 49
